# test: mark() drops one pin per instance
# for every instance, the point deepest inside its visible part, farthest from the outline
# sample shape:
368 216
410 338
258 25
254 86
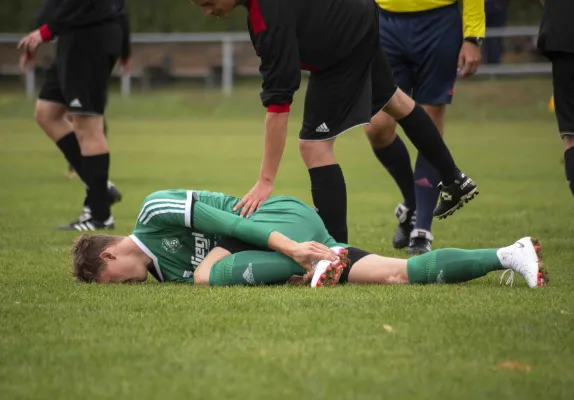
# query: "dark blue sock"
396 159
427 179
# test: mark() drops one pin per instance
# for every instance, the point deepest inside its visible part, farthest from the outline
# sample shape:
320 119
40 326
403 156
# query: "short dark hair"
85 255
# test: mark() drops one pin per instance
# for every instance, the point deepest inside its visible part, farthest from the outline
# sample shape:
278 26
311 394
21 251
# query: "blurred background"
173 42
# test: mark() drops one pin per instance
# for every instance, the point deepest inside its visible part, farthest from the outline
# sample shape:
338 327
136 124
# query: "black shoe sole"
115 196
463 200
403 243
399 246
415 251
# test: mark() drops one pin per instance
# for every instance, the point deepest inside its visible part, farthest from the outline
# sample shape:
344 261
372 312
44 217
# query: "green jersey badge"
171 245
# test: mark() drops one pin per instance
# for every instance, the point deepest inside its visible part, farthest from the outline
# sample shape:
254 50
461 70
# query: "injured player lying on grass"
196 237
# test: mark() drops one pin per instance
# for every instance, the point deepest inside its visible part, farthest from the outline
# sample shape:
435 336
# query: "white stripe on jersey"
144 248
187 219
145 213
147 203
165 211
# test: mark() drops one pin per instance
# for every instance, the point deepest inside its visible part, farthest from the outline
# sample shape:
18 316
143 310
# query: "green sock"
254 268
452 265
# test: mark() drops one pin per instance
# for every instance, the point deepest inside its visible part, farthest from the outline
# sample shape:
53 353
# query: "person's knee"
568 141
437 115
47 114
381 130
201 279
202 272
90 133
400 105
317 153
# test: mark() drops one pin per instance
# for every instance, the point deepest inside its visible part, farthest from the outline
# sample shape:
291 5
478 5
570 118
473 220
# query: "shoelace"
510 279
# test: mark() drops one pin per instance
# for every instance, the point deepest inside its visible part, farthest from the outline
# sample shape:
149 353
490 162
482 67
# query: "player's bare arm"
275 138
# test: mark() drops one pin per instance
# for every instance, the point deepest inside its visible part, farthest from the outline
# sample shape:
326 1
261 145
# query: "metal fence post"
30 83
227 61
126 83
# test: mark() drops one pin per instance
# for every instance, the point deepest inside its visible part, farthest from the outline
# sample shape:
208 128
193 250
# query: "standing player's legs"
388 147
337 100
457 188
51 116
88 58
71 172
563 82
436 43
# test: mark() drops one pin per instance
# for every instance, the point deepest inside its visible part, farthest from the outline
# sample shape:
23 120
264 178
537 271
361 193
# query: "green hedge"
180 16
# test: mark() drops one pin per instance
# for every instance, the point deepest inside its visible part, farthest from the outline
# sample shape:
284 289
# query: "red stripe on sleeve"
278 108
255 17
46 33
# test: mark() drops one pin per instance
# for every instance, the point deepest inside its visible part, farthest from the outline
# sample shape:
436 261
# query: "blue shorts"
423 48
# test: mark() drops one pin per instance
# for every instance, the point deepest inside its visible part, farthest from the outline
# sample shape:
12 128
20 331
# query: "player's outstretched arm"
275 138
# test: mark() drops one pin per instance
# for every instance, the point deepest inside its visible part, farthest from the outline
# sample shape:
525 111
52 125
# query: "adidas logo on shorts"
75 103
322 128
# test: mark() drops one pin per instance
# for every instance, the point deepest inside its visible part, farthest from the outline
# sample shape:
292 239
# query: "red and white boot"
328 273
524 257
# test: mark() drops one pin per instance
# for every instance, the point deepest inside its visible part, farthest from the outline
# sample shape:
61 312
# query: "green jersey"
177 228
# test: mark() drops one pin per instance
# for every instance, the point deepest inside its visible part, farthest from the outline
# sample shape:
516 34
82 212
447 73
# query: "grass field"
64 340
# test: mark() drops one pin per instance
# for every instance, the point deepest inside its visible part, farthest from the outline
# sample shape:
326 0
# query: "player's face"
216 8
121 269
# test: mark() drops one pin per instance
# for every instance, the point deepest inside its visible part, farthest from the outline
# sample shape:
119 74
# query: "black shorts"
563 82
79 76
348 94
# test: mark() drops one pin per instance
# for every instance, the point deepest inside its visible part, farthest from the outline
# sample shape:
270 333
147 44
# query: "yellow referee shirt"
474 20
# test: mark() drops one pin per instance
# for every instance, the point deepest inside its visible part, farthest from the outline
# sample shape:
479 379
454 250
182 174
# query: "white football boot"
328 273
524 257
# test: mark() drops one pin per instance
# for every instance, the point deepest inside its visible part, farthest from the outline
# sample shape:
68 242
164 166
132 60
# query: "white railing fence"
228 41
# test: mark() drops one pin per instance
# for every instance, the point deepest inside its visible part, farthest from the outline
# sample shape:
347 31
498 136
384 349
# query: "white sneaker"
328 273
524 257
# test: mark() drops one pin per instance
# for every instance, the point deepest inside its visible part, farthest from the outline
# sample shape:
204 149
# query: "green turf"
63 340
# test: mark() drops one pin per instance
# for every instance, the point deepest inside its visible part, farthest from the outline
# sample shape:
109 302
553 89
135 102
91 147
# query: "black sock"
569 166
330 199
426 192
423 133
396 159
96 171
71 148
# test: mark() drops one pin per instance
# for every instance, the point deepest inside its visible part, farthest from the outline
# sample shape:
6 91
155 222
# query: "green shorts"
294 219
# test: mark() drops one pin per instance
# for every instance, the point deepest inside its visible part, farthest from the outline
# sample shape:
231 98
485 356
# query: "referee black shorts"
348 94
563 82
79 76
